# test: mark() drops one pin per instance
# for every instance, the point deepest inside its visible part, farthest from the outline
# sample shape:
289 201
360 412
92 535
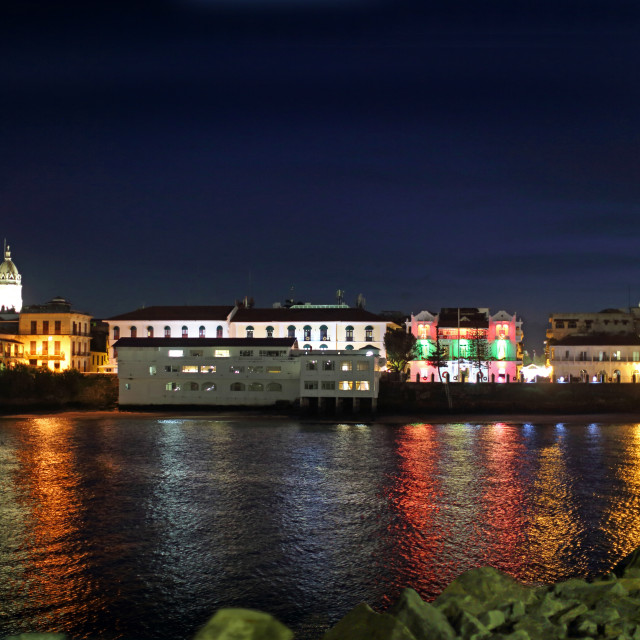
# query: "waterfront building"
56 336
99 347
11 351
596 357
608 321
10 285
240 372
476 346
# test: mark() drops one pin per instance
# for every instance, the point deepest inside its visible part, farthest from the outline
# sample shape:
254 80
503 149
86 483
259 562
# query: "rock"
589 592
629 566
453 604
425 621
243 624
572 613
363 623
540 628
492 619
470 627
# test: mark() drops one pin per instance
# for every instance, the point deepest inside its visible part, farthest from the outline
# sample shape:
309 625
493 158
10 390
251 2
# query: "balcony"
34 355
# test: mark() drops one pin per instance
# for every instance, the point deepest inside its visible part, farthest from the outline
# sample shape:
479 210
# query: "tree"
401 349
479 353
439 356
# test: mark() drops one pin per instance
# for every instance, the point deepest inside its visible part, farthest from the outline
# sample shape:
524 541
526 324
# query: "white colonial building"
242 372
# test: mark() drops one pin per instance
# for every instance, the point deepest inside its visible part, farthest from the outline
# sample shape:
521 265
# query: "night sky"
425 155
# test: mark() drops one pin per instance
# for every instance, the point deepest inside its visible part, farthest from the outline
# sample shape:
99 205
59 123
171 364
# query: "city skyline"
422 157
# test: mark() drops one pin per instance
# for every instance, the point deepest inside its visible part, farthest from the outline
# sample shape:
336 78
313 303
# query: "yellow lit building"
56 336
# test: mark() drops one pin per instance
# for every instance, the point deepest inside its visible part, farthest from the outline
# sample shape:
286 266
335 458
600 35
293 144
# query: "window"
167 332
235 369
328 365
152 370
324 346
219 331
237 386
45 326
170 368
127 385
257 369
324 333
196 353
274 386
185 332
328 385
636 356
193 386
306 332
291 331
310 384
422 331
58 327
363 366
149 332
246 353
362 385
349 334
572 324
172 386
189 368
349 347
56 347
256 386
307 346
368 333
34 327
221 353
346 365
270 353
559 324
208 386
312 365
208 368
345 385
273 369
175 353
269 332
201 332
134 332
45 348
249 331
116 333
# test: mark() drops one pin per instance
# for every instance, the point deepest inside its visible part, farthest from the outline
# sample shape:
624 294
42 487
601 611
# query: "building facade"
10 285
476 346
56 336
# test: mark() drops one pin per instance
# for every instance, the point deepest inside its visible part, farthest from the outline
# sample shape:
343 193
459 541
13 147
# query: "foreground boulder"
243 624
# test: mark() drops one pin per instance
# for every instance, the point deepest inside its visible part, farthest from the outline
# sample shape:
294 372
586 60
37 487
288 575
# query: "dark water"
141 528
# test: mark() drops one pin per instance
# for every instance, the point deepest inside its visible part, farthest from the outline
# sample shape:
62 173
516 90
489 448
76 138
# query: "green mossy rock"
243 624
363 623
425 621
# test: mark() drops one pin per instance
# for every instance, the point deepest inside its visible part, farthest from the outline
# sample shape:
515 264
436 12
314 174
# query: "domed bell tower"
10 284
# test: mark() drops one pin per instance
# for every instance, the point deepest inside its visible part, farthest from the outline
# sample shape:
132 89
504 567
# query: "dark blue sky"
469 153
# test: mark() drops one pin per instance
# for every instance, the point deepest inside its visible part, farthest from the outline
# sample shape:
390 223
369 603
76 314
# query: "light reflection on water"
141 528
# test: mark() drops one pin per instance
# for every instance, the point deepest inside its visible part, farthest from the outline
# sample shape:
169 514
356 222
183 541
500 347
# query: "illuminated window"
306 332
636 356
172 386
127 386
116 333
269 332
221 353
274 386
273 369
362 385
56 347
256 386
349 334
346 365
291 331
175 353
324 332
345 385
237 386
422 331
190 368
219 331
134 332
45 348
185 332
368 333
149 332
363 366
249 331
310 384
208 386
235 369
201 332
312 365
152 370
167 332
208 368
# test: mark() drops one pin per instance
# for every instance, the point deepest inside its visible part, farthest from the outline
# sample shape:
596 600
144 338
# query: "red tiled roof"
177 313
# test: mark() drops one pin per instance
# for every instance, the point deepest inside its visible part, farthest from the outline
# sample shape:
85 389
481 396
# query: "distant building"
478 346
11 352
56 336
10 285
241 372
99 347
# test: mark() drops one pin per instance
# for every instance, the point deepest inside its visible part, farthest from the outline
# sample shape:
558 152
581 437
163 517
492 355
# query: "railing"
44 356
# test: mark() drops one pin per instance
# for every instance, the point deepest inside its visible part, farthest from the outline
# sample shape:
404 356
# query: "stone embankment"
481 604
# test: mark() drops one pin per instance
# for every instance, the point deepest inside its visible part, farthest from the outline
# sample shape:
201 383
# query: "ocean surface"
142 527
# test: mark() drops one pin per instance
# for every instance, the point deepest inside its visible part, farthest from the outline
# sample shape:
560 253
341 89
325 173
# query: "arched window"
269 332
256 386
249 331
193 386
349 347
324 332
116 333
349 334
237 386
307 332
208 386
185 332
307 346
291 331
368 332
274 386
324 346
134 332
149 332
219 331
201 332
